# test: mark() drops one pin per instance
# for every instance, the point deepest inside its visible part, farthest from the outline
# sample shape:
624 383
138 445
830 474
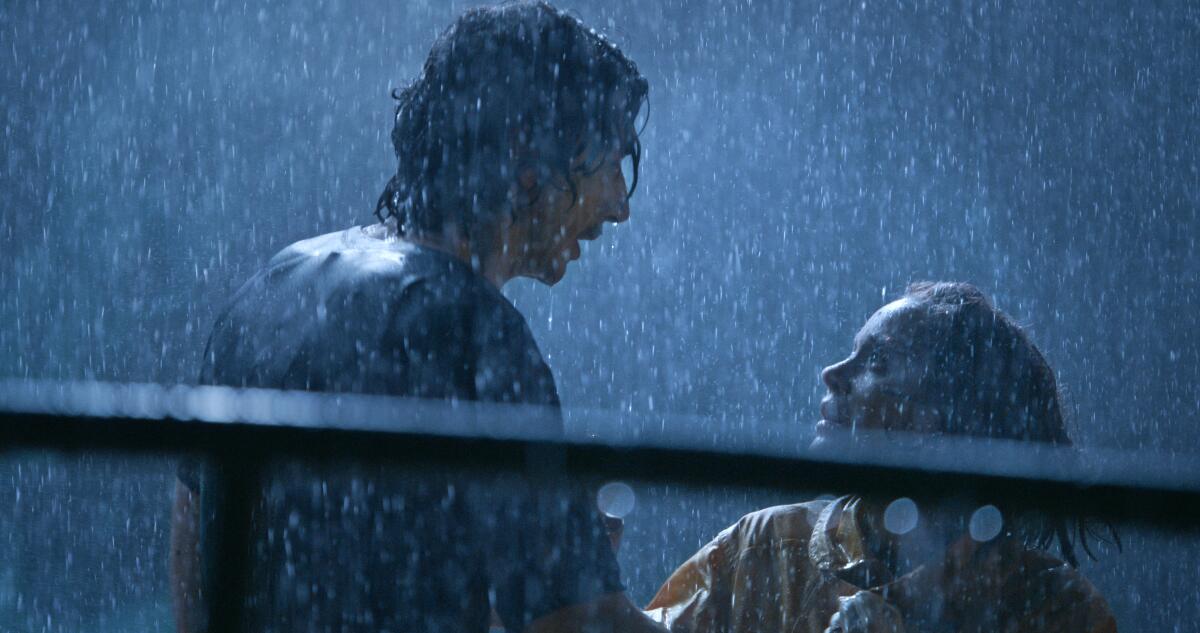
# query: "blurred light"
901 516
986 523
615 499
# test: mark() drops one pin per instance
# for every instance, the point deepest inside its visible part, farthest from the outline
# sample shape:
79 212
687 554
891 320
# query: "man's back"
347 547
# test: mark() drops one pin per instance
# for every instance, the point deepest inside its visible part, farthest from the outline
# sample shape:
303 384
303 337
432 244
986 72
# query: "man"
510 146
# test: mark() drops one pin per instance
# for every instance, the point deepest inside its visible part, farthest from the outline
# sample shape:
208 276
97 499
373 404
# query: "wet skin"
550 239
539 241
879 386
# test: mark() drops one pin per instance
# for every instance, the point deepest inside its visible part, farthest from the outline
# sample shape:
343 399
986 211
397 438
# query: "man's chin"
550 275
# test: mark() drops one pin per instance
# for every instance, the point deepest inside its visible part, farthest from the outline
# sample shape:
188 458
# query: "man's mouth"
592 233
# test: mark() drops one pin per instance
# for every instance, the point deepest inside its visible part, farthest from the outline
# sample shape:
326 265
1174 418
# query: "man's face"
880 386
558 225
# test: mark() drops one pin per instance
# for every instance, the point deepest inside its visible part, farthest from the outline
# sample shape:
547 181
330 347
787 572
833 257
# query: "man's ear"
527 190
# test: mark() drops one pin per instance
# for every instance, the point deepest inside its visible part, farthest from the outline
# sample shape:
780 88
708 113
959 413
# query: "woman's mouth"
829 435
826 426
830 417
831 430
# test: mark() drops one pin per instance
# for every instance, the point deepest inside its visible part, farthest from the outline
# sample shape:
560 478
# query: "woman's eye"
877 361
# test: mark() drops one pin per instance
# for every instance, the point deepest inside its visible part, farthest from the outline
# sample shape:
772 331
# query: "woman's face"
880 386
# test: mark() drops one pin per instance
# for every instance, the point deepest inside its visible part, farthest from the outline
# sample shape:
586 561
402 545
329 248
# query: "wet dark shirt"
348 312
350 548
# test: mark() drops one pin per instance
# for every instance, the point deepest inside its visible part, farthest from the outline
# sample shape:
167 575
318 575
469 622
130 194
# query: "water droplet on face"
986 523
615 499
901 516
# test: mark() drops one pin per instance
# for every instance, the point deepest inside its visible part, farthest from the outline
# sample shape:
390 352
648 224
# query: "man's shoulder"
347 267
336 287
404 288
353 251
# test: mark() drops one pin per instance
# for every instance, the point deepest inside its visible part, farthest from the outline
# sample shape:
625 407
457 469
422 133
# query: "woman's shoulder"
765 545
1072 601
790 522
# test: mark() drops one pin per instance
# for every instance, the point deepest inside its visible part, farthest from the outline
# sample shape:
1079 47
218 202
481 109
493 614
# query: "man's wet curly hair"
503 89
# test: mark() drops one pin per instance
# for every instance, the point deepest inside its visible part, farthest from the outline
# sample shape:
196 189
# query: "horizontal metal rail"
252 423
241 429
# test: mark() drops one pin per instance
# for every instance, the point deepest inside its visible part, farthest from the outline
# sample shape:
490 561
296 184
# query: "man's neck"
494 267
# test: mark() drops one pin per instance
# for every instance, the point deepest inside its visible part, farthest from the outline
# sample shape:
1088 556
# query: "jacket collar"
848 542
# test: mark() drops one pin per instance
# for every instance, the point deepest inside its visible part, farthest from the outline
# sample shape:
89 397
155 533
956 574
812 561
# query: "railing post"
238 485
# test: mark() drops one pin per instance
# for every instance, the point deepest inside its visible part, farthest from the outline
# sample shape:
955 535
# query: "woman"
941 360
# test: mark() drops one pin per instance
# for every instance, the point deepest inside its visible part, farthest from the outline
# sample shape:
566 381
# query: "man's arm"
184 558
465 346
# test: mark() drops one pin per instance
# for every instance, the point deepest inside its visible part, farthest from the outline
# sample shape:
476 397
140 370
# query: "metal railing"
242 429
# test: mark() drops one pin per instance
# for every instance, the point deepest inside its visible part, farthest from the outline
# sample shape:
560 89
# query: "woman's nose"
834 377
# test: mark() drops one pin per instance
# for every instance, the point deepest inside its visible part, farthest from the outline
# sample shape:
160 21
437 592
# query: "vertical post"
237 484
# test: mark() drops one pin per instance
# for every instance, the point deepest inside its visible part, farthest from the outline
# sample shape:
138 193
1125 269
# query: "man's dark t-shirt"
353 548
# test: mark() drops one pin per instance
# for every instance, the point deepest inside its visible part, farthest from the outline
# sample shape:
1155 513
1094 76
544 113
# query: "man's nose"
834 377
618 213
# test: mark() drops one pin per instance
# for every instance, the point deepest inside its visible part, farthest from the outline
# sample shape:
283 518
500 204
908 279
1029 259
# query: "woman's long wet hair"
993 382
505 89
